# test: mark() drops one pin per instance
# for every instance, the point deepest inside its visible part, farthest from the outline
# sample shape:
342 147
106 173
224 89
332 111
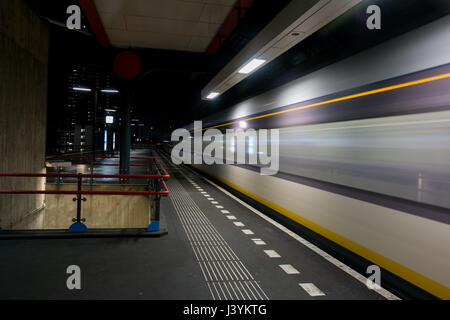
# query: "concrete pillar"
24 42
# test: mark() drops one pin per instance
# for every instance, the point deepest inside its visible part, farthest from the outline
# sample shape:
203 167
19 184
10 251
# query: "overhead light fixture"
82 89
251 66
212 95
110 91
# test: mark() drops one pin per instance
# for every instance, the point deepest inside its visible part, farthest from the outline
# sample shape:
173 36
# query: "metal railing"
155 181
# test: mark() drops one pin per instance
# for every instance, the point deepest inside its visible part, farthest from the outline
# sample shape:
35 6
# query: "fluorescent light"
110 110
82 89
243 124
212 95
251 66
110 91
109 119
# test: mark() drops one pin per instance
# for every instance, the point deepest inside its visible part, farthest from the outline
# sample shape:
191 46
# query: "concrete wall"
100 212
24 42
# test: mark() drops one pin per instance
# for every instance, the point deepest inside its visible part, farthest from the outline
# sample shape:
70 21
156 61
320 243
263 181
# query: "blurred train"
364 154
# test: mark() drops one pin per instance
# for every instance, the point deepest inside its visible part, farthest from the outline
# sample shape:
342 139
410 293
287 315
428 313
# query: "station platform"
217 248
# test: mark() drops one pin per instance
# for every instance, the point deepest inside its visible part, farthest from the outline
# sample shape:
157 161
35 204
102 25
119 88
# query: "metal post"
94 129
78 225
125 135
78 199
155 224
58 178
157 209
92 172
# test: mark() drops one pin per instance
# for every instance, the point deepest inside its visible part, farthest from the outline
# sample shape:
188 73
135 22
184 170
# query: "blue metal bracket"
78 227
154 226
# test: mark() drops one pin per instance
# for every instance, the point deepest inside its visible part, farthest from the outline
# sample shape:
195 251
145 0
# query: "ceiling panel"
164 24
199 44
111 21
213 14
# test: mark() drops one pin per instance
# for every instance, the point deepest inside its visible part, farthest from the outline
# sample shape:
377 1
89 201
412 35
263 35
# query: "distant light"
110 110
251 66
82 89
109 119
243 124
212 95
110 91
105 142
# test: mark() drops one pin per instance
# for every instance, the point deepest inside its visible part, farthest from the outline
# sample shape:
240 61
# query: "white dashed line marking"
214 202
225 211
289 269
311 289
239 224
219 207
231 217
259 242
383 292
211 199
247 231
272 253
207 195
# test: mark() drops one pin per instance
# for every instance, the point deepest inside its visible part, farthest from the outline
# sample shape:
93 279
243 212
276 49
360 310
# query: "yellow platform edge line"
403 272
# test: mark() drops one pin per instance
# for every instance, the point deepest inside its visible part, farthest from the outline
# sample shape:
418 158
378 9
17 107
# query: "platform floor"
216 248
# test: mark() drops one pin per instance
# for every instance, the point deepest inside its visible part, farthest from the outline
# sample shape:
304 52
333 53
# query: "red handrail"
74 175
86 192
159 168
99 164
63 156
74 192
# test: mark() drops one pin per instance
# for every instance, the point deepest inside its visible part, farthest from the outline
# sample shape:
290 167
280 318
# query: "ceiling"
184 25
296 22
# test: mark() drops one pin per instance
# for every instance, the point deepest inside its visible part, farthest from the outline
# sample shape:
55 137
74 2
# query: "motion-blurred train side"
364 154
